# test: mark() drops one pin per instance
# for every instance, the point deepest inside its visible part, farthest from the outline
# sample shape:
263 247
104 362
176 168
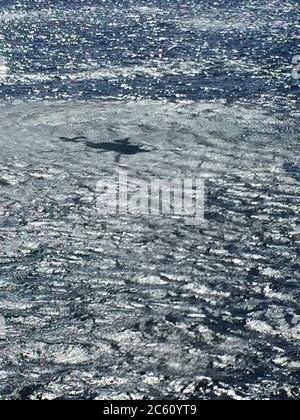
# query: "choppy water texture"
149 307
156 49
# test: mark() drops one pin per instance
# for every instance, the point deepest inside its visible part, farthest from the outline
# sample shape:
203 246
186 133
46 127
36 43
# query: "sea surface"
137 306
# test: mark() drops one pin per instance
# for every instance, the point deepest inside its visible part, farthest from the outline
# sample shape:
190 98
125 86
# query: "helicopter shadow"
121 147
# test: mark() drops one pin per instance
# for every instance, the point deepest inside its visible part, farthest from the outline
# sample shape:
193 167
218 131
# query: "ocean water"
154 49
99 307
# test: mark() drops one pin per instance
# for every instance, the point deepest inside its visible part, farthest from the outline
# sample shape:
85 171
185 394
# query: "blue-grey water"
230 49
137 306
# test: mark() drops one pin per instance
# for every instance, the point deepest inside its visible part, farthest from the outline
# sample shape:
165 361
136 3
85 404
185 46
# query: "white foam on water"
154 69
241 20
9 16
3 64
4 69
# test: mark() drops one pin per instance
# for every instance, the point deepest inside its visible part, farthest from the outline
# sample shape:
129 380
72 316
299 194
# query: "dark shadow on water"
73 139
124 147
121 147
4 183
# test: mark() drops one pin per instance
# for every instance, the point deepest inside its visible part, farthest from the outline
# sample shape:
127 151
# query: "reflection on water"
141 307
231 50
